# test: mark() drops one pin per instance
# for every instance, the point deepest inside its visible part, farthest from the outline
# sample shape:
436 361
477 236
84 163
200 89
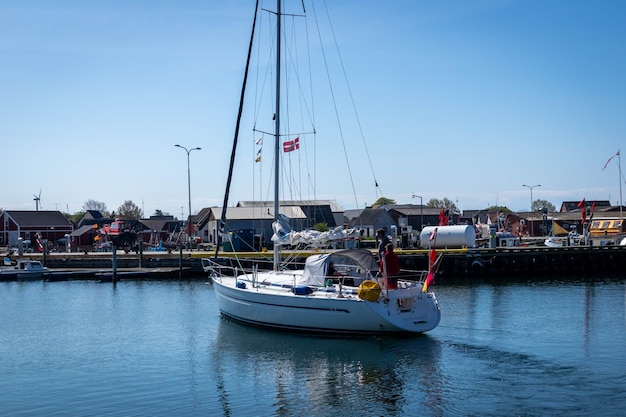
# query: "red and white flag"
291 145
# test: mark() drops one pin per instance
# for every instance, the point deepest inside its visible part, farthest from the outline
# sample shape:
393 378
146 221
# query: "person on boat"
332 272
383 239
336 276
392 265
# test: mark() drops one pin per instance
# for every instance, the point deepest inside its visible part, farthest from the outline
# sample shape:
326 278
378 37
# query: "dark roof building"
372 219
570 206
49 225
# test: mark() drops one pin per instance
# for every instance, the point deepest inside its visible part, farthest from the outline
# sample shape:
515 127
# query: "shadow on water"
306 375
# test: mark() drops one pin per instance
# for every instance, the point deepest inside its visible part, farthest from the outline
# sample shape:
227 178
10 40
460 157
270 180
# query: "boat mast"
277 129
621 204
231 166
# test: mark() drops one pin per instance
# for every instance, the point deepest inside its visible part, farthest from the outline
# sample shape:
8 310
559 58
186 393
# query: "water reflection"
313 376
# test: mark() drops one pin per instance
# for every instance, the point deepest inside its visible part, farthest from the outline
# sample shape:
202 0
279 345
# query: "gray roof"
82 230
369 217
39 218
414 210
94 214
155 224
202 217
352 213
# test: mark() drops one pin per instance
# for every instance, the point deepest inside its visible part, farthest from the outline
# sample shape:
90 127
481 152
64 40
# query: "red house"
49 225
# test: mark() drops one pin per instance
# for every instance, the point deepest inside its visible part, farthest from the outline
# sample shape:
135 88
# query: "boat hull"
30 276
322 311
25 270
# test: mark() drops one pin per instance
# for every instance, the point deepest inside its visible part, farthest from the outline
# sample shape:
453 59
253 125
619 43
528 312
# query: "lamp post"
189 191
532 230
421 211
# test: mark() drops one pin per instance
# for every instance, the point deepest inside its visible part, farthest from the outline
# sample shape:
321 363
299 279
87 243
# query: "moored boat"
24 270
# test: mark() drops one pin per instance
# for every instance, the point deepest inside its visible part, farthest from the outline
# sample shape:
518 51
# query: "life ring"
477 266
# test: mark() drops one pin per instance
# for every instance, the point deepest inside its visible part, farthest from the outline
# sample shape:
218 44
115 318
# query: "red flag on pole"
583 210
443 219
432 257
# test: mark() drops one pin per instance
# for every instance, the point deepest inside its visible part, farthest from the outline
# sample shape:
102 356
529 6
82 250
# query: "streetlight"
189 191
532 230
421 211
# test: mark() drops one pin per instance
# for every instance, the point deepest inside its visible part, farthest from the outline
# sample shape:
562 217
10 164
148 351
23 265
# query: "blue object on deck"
302 290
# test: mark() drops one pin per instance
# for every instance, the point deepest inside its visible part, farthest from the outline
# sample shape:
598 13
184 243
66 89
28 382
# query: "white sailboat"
308 300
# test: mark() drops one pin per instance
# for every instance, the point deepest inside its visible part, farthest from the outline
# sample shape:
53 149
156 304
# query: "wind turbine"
37 200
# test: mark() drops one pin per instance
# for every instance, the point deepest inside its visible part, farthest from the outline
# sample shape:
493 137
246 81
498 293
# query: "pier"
458 266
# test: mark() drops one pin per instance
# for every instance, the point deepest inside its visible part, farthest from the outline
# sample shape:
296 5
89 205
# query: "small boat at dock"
23 270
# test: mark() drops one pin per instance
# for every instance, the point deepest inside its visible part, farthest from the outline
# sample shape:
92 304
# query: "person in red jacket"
392 264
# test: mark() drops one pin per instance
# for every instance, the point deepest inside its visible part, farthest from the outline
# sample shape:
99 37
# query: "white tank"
448 237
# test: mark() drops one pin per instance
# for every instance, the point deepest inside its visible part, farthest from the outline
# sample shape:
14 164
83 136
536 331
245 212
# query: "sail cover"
285 235
360 261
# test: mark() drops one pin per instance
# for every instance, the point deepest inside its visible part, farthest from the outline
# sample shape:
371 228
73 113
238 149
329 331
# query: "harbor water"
146 348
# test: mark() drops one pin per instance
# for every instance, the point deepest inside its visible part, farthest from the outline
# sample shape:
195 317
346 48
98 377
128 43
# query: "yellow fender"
369 290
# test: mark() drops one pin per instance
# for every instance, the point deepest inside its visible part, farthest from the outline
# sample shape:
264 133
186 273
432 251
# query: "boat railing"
414 278
421 277
217 269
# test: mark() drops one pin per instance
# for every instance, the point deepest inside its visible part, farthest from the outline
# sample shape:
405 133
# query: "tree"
158 213
320 227
539 204
97 206
384 201
445 203
75 218
129 211
503 209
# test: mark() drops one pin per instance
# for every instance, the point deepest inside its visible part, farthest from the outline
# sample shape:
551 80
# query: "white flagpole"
619 162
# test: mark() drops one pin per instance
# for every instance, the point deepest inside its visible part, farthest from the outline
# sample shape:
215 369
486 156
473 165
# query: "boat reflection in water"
325 376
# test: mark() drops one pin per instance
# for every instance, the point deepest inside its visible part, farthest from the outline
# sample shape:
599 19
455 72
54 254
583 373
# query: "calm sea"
82 348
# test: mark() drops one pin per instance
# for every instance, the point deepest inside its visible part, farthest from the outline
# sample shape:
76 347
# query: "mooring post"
114 260
180 260
140 253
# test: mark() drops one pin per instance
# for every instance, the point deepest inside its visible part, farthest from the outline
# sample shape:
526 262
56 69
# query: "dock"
459 265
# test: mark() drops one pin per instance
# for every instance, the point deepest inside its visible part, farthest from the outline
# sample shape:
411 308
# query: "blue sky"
465 100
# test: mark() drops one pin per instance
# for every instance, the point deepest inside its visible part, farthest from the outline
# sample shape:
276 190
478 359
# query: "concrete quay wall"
501 264
528 263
